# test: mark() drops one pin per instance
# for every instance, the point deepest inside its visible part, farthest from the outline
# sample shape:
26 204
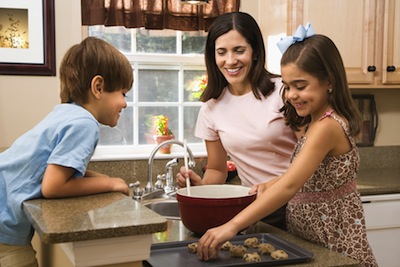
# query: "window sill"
114 153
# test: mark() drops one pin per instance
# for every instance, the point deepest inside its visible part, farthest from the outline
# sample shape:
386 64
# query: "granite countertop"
322 256
372 181
91 217
378 181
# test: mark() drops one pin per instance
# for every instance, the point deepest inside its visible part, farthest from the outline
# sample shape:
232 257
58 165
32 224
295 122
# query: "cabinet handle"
390 68
371 68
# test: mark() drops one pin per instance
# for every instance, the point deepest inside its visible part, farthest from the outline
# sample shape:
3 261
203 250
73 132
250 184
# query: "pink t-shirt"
252 132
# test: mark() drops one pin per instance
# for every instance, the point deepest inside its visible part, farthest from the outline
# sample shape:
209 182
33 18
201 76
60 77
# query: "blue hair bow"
300 34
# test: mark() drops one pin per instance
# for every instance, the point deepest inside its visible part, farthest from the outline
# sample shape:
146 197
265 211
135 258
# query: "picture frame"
35 21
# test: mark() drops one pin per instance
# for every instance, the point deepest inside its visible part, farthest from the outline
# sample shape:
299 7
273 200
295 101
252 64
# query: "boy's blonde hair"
84 61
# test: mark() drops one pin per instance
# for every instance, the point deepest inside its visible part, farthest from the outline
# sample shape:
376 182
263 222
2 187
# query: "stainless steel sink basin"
167 208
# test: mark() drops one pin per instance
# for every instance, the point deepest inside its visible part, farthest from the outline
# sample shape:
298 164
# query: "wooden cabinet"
366 32
391 43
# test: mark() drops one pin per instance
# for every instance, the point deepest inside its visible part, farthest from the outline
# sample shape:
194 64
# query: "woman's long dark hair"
245 24
319 57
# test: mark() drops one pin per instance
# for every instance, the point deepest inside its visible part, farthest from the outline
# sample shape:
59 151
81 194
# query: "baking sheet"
176 253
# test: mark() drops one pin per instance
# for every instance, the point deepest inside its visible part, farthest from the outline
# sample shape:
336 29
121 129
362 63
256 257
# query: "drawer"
381 213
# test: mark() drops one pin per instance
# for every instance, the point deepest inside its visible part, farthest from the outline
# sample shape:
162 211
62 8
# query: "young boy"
51 159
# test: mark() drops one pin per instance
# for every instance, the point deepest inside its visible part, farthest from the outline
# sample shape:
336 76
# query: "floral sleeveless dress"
328 209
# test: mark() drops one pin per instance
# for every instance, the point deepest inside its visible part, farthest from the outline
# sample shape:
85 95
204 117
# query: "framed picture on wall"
27 37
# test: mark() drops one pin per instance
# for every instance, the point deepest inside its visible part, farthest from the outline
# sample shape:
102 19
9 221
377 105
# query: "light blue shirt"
67 136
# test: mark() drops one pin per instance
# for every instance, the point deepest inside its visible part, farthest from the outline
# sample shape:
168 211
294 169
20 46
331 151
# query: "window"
169 73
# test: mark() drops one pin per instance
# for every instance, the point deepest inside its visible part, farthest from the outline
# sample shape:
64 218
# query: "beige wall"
25 100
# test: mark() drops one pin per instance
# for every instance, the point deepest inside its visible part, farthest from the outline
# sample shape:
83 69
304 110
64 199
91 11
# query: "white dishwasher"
382 216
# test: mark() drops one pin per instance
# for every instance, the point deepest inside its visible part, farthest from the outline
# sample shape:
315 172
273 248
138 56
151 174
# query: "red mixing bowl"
209 206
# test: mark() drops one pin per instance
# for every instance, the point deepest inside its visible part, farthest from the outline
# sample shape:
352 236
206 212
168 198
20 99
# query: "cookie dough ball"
266 248
226 246
251 242
237 251
192 247
279 255
252 257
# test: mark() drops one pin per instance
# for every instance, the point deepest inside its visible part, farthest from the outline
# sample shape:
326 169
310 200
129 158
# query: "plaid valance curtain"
155 14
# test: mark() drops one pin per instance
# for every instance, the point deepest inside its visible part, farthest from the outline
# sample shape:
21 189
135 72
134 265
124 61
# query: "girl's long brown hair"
319 57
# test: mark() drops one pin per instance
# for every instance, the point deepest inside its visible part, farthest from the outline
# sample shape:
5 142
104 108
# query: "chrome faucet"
169 177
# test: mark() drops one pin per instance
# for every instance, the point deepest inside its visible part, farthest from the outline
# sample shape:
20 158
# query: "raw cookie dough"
192 247
251 242
266 248
251 257
226 246
237 251
279 255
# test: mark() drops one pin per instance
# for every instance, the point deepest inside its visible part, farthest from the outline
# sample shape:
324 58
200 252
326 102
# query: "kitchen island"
96 230
118 221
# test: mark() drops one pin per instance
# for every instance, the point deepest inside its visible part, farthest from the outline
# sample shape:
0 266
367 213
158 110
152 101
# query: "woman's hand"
194 178
211 242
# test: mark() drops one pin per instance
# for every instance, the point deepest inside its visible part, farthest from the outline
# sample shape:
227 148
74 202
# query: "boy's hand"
119 185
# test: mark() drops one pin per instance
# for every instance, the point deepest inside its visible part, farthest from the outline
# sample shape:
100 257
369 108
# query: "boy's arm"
58 182
90 173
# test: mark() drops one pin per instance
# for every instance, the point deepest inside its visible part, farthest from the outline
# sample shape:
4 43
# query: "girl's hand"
211 242
254 189
181 177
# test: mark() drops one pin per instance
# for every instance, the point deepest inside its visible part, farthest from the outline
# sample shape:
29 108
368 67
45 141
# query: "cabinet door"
382 219
350 24
391 43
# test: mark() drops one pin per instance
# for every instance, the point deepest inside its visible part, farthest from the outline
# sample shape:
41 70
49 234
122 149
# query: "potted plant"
161 132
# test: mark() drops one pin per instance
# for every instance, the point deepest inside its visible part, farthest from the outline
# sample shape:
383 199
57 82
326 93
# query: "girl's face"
307 94
112 105
234 57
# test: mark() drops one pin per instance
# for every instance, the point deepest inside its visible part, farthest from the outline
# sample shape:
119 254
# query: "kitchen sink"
167 208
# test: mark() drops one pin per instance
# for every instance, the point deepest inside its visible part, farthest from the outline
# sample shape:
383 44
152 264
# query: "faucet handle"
159 184
192 164
137 193
134 185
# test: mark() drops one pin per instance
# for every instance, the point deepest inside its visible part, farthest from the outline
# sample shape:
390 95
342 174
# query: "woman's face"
307 94
234 57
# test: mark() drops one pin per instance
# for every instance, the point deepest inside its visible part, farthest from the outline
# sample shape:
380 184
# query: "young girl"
50 160
319 186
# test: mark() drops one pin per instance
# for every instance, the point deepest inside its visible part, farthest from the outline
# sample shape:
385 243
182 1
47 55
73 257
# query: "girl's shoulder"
333 130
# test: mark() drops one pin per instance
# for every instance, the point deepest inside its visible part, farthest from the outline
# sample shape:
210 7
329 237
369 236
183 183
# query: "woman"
240 116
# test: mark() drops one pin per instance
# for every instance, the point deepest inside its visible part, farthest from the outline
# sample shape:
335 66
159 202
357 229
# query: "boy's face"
112 103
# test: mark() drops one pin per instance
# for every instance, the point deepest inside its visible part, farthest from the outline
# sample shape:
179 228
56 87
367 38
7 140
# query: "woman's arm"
216 171
58 182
